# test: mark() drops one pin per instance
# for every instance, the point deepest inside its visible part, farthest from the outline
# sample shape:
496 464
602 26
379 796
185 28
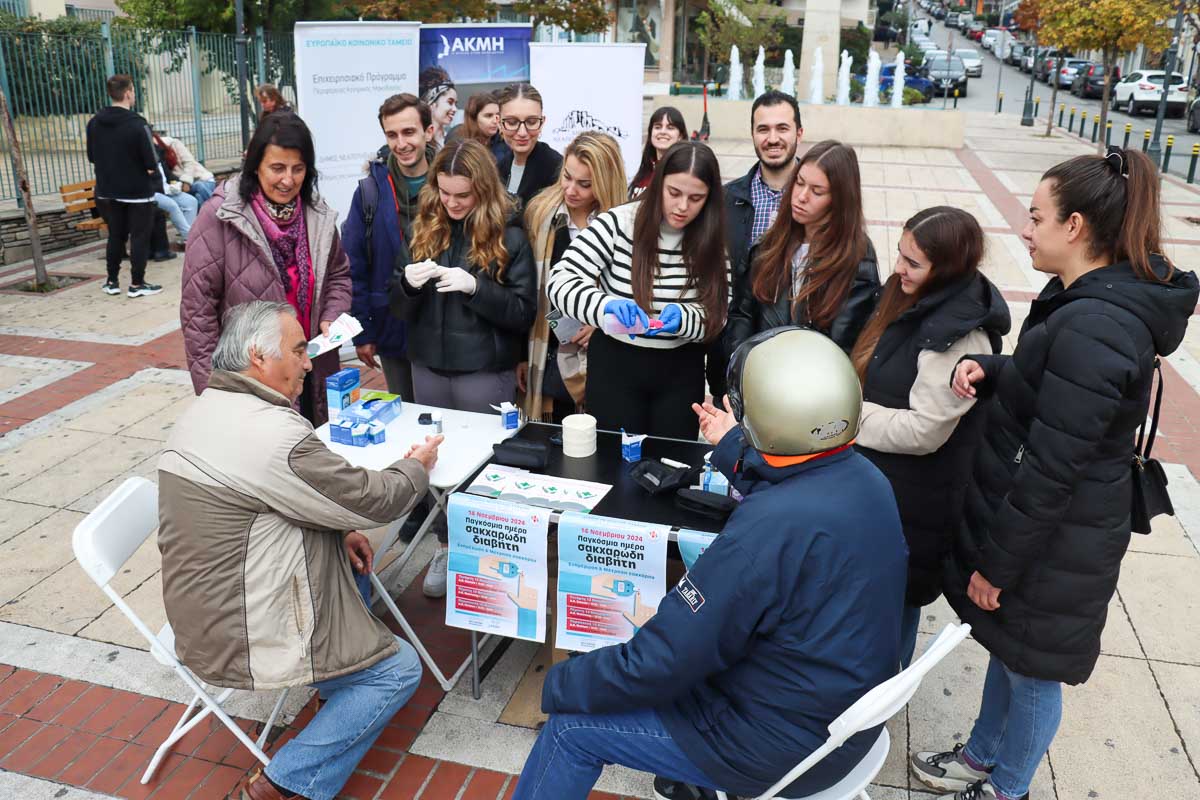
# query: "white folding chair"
874 708
103 542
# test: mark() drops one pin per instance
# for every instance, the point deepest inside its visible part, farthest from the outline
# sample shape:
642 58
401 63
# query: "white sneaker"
947 771
435 578
980 790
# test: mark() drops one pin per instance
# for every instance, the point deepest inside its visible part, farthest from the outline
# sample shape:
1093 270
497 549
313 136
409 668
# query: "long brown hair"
835 247
486 222
476 104
1118 195
952 241
703 238
672 117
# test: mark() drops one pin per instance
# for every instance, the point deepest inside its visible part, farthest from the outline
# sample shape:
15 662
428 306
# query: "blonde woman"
591 182
471 294
469 298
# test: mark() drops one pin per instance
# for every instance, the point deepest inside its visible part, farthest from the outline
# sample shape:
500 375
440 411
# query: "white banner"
591 87
344 72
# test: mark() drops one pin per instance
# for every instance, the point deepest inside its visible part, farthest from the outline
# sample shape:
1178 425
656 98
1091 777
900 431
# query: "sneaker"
980 790
166 255
947 771
435 578
666 789
111 287
144 289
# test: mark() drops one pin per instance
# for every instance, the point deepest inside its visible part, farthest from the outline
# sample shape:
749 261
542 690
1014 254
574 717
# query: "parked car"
1069 69
947 73
991 37
912 80
952 19
1048 63
1142 90
935 54
938 13
1015 54
1193 116
965 18
1090 82
1031 57
972 61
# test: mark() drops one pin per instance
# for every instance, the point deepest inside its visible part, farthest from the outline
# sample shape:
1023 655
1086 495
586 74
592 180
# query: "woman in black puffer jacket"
1047 517
471 297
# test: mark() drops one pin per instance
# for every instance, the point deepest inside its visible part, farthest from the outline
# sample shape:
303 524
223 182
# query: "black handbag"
1150 496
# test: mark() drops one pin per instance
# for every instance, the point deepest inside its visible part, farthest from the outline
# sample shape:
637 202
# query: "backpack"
369 191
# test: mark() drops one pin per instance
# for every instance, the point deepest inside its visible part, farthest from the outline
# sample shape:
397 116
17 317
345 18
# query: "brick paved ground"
90 386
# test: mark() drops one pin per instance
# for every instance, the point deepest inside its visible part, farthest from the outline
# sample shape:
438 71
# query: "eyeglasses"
532 124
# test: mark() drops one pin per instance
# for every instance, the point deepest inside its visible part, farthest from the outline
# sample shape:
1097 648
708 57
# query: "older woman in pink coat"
267 236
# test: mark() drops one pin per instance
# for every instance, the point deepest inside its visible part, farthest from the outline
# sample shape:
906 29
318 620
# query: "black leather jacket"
486 331
748 316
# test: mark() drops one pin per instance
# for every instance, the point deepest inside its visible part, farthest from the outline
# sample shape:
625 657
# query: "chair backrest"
107 537
885 700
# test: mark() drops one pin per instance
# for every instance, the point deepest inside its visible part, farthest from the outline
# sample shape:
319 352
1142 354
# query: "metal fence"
185 81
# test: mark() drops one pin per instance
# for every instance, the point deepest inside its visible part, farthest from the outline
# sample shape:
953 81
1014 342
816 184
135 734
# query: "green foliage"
207 15
857 42
724 25
913 54
579 16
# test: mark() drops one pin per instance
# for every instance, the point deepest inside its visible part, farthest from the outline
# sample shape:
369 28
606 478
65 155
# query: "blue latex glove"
671 319
627 312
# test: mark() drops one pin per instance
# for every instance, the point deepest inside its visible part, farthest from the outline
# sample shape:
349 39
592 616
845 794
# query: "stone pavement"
90 386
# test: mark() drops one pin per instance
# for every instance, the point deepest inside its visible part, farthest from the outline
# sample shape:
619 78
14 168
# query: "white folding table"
468 446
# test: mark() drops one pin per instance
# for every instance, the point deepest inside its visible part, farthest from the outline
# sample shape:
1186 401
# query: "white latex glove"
456 279
419 274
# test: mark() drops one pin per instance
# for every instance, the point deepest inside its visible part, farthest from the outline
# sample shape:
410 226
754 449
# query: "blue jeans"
181 208
1018 718
202 190
572 749
319 761
910 621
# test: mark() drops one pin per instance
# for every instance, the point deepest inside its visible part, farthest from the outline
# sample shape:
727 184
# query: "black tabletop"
626 499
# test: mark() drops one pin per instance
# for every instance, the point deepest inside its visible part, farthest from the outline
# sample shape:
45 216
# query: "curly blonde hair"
486 222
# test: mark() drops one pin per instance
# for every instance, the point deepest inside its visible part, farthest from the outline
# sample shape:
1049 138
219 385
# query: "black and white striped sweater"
596 268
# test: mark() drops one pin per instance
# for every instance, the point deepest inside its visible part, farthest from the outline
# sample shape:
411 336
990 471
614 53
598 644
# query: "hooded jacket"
121 146
228 262
924 448
390 232
788 618
1046 518
253 510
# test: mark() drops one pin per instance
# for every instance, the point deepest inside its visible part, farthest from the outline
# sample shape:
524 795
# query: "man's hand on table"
358 547
426 453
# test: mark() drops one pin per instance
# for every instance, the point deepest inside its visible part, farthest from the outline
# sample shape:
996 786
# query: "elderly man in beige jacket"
258 563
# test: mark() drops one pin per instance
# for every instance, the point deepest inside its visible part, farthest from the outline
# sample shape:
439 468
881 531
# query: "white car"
972 61
989 39
928 47
1142 90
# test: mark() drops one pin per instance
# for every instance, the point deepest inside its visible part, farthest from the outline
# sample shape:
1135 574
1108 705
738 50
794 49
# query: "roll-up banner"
479 57
591 87
344 71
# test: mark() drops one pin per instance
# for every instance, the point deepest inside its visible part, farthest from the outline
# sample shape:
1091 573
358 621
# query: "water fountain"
898 82
735 74
871 87
759 78
816 82
843 79
788 84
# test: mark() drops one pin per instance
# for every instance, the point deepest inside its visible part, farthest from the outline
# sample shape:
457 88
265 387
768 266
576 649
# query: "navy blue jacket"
789 617
369 303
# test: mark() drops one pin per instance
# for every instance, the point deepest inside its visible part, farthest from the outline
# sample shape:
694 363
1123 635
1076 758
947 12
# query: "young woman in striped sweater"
661 257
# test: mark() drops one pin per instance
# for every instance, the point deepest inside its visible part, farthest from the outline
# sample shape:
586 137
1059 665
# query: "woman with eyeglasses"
532 165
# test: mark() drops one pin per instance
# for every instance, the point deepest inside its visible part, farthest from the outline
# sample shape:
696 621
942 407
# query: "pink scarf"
289 248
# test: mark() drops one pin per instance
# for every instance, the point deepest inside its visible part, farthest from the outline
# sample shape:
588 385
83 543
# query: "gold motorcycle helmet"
794 392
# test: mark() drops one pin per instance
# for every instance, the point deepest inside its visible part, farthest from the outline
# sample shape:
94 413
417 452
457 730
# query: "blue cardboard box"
378 407
341 391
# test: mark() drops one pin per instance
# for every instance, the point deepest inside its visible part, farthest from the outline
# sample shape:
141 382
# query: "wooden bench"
82 197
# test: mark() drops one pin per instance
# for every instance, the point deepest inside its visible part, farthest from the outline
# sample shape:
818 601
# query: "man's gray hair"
248 327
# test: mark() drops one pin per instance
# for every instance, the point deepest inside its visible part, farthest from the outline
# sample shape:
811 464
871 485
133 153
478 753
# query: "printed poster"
611 578
496 581
692 544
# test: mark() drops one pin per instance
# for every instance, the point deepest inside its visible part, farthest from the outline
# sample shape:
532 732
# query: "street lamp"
1027 114
239 48
1155 149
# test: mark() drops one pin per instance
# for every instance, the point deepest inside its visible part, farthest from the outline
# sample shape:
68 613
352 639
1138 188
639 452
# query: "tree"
736 22
1028 16
428 10
218 17
1111 27
578 16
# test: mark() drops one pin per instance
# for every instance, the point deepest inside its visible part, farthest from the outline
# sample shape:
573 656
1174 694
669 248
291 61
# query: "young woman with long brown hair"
815 265
665 129
935 308
662 256
592 182
481 122
1047 516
